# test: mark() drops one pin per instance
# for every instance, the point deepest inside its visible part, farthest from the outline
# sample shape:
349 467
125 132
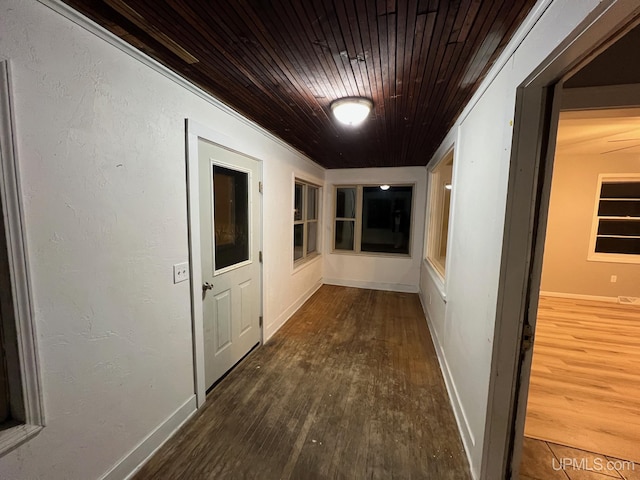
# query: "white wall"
565 269
377 271
101 148
464 326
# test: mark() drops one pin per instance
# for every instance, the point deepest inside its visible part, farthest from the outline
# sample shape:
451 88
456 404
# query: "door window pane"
344 234
312 237
386 219
346 203
230 217
298 240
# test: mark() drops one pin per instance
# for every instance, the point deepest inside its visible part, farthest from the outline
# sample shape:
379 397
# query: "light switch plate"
180 272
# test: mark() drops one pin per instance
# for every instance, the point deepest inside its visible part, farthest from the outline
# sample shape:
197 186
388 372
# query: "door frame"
194 132
525 223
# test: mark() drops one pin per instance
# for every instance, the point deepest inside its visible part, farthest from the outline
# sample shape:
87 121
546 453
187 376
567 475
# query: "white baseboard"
390 287
134 460
274 326
468 440
578 296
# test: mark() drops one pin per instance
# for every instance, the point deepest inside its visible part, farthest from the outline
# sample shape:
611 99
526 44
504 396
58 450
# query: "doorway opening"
225 245
582 413
583 406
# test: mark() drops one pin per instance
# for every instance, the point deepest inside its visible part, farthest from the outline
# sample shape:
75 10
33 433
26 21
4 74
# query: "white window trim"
434 215
306 258
19 273
594 256
357 233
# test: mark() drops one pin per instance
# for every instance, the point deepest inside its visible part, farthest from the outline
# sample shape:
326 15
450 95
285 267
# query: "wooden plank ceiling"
282 62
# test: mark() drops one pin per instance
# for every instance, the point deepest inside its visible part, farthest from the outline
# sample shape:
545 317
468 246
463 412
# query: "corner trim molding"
104 34
141 453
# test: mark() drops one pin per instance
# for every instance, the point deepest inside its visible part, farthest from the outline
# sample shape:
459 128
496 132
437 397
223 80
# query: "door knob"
206 286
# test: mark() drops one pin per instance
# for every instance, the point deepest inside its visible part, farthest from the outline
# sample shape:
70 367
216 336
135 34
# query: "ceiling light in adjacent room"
448 186
351 110
384 187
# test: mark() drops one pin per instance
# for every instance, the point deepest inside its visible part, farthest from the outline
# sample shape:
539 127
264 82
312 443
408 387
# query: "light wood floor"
585 379
349 388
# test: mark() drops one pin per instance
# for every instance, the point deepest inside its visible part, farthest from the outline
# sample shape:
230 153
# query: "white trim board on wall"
389 287
128 466
454 397
578 296
20 322
273 327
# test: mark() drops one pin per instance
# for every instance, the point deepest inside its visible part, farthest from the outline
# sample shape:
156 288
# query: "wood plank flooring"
349 388
585 378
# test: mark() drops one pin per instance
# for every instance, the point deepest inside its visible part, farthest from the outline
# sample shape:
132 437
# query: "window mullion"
357 234
305 222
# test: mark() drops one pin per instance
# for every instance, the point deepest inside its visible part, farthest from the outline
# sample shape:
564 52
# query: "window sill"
16 436
405 256
305 262
436 277
613 258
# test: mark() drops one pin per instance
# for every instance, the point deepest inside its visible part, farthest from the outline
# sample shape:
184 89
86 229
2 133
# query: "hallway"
350 387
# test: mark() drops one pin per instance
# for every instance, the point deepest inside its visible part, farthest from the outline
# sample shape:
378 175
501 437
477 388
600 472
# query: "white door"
229 246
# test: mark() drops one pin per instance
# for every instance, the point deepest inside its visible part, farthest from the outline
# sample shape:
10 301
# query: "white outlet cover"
180 272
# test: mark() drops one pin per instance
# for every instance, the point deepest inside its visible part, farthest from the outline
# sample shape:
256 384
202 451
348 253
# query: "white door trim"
195 131
22 323
521 260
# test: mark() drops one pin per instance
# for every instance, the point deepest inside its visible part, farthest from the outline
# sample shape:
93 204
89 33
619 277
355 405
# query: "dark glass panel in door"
230 217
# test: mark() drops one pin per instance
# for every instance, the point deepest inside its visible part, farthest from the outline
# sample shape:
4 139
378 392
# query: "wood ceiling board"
282 62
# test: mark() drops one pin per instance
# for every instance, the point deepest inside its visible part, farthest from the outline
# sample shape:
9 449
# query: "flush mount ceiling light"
384 187
351 110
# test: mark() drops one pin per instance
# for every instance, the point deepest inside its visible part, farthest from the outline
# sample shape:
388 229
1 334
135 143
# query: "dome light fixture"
351 111
384 187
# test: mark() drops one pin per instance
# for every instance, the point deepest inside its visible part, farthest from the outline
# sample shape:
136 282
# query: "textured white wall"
465 326
376 271
101 148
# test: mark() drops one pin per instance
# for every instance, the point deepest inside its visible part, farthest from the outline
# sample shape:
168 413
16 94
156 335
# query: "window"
305 221
616 226
373 218
21 413
440 188
231 214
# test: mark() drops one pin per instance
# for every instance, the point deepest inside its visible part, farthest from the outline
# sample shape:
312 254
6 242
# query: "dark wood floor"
349 388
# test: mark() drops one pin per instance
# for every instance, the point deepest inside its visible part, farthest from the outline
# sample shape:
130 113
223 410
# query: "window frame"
19 328
435 216
592 255
306 256
357 233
